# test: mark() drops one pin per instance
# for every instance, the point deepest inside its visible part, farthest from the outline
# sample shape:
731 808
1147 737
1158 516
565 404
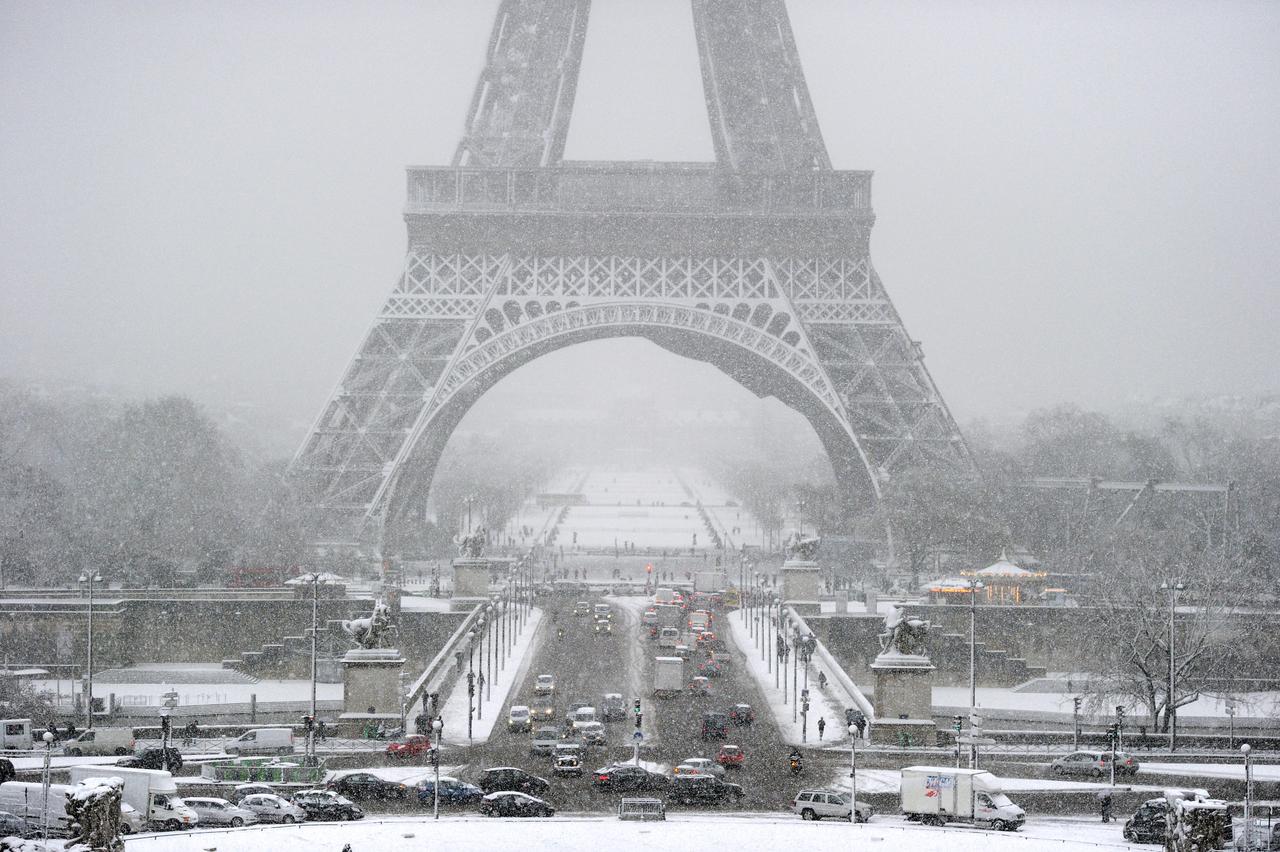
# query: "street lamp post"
492 651
469 501
1231 723
1171 712
310 745
974 586
47 736
90 577
480 674
1248 796
853 773
471 680
436 726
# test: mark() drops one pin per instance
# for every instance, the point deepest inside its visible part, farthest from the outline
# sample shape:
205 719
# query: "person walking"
1104 804
822 726
822 680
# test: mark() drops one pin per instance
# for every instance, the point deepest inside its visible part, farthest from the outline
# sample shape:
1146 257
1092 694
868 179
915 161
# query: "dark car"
452 792
169 759
626 777
509 803
715 726
7 772
742 715
702 789
12 826
327 805
502 778
363 785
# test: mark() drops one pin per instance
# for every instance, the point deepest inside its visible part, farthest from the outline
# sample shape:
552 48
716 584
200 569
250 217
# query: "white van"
668 637
262 741
16 734
26 800
101 741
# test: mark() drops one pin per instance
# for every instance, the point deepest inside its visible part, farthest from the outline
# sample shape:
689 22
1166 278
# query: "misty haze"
502 423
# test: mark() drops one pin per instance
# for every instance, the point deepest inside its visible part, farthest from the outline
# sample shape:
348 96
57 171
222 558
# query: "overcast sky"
1076 201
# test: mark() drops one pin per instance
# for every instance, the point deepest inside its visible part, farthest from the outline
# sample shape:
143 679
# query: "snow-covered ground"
708 832
820 705
193 689
1263 707
1261 771
492 700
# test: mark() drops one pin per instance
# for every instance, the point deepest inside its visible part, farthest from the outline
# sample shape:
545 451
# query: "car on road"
365 785
702 789
602 610
699 686
131 822
582 608
715 726
452 792
563 748
169 759
544 740
220 812
613 707
731 756
710 667
699 766
512 804
414 745
511 778
742 715
580 711
519 718
327 805
1094 763
544 685
624 777
242 790
269 807
591 733
817 804
543 709
568 765
602 627
682 651
650 617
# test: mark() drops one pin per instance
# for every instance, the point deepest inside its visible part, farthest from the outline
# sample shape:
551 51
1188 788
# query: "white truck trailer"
669 615
940 794
151 792
668 676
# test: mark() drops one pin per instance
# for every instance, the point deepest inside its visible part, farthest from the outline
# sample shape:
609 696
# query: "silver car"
131 822
271 808
221 812
243 790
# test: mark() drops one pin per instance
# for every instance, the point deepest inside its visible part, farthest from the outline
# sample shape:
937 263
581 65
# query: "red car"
710 668
730 756
414 745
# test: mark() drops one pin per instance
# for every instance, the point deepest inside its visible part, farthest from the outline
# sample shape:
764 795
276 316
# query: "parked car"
452 792
519 718
816 804
1094 763
510 778
13 826
702 789
220 812
699 766
512 804
544 740
414 745
242 790
742 715
327 805
624 777
545 684
7 772
365 785
568 766
131 822
169 759
715 726
613 707
271 808
730 756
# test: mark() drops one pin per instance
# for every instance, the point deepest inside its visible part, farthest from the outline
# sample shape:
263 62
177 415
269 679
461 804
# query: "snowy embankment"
714 833
490 702
820 705
890 781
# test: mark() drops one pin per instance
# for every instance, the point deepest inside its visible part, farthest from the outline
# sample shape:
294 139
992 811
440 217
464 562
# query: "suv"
715 726
1095 763
511 778
154 758
742 715
702 789
816 804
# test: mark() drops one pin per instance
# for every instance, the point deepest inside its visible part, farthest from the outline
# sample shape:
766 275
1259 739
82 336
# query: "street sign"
975 740
638 736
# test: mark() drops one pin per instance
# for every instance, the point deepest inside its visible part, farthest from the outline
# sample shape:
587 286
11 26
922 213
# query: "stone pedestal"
471 577
371 679
904 700
800 584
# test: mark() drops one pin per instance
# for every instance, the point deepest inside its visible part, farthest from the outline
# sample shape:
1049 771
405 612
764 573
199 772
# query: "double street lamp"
974 586
316 579
91 578
853 773
471 681
1171 711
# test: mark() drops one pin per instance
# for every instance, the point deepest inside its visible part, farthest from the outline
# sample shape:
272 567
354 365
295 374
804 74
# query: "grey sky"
1075 200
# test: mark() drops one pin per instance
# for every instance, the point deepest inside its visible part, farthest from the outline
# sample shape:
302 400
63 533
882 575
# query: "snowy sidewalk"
820 706
491 703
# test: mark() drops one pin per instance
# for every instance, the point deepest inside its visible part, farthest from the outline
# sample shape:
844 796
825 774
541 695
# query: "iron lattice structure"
758 263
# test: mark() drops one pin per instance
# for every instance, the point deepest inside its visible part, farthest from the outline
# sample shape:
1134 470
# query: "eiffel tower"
758 263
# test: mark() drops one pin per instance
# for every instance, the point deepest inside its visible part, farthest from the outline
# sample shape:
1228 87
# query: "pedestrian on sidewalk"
822 680
822 726
1104 802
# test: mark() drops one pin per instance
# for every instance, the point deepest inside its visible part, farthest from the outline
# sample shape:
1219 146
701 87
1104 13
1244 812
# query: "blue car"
452 792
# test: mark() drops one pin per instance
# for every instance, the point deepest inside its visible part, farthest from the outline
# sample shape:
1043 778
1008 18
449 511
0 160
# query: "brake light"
602 777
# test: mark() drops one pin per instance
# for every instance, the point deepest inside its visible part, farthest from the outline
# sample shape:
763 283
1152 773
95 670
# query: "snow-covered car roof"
511 794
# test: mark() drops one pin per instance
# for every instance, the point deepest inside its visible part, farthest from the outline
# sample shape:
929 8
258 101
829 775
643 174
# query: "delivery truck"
935 795
151 792
668 677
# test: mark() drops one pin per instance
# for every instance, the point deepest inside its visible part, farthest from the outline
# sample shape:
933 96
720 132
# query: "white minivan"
98 741
262 741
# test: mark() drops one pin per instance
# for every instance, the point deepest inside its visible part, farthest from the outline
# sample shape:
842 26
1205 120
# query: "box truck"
150 791
669 615
668 676
936 795
710 581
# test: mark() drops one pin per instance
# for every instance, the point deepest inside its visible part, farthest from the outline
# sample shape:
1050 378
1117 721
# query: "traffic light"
648 569
308 722
471 683
1112 732
1077 704
639 715
1119 715
165 725
957 722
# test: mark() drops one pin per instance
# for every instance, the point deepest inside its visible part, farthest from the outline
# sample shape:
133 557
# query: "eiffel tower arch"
758 263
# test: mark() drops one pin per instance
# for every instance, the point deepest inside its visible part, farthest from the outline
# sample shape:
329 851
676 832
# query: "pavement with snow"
491 700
